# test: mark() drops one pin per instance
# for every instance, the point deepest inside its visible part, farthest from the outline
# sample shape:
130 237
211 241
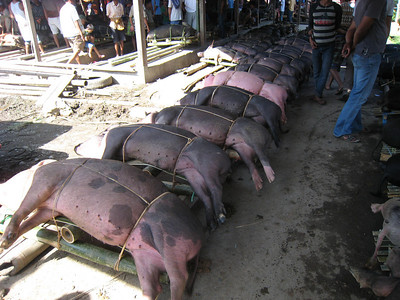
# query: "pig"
391 225
253 84
220 54
14 190
290 83
176 150
391 173
391 132
393 262
170 31
278 67
239 102
246 136
382 286
119 205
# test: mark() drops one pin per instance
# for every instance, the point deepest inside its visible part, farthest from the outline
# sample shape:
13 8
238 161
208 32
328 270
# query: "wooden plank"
48 100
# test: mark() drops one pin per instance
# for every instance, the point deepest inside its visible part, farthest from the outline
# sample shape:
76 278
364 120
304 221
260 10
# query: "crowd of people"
116 15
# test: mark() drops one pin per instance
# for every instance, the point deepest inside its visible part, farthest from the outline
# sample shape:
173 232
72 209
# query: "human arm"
348 46
78 26
338 19
389 15
362 30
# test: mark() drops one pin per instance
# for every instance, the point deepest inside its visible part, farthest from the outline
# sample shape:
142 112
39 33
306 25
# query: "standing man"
175 12
366 37
191 13
324 20
16 9
72 29
115 11
157 12
51 9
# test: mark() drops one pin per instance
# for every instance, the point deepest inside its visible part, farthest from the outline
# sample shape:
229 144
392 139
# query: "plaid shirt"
347 15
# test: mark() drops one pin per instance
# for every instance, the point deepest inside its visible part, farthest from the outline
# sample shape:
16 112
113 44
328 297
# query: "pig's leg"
245 153
38 193
376 207
199 186
372 261
148 274
382 286
262 156
215 187
177 271
15 229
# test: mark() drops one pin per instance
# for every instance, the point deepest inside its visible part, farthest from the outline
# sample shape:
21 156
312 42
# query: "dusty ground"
295 239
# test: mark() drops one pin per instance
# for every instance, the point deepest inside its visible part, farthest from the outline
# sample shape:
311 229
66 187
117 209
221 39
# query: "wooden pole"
202 22
142 66
29 17
236 15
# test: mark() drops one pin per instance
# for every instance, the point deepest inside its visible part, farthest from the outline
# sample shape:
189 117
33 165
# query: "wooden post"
236 15
29 18
142 65
202 22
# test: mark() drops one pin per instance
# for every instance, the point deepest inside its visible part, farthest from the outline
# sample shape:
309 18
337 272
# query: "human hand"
313 43
346 50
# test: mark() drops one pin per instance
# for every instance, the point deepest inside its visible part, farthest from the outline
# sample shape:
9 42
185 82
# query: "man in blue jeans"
367 37
324 20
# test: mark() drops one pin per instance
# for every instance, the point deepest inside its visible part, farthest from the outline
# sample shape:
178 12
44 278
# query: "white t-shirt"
176 14
68 16
190 5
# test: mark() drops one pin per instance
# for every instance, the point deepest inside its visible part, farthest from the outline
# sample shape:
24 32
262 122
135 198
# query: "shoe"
319 100
350 138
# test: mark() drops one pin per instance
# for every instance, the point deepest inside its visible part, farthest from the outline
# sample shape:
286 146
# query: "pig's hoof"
355 272
221 218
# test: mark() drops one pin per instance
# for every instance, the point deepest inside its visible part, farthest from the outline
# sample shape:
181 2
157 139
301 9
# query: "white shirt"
114 11
190 5
68 16
176 14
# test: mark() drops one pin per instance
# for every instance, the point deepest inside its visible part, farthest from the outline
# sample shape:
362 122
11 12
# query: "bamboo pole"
194 68
47 54
157 54
27 82
33 69
91 252
11 88
22 254
71 233
21 92
96 101
199 77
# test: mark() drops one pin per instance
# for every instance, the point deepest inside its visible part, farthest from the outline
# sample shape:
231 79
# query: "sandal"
350 138
319 100
339 91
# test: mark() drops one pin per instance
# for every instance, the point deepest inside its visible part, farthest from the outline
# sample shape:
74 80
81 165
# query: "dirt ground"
295 239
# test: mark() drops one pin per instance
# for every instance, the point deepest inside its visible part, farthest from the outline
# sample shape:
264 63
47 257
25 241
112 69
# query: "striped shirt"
325 20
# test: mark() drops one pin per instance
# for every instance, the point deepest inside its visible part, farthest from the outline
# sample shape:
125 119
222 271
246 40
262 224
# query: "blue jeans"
365 71
179 22
322 61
